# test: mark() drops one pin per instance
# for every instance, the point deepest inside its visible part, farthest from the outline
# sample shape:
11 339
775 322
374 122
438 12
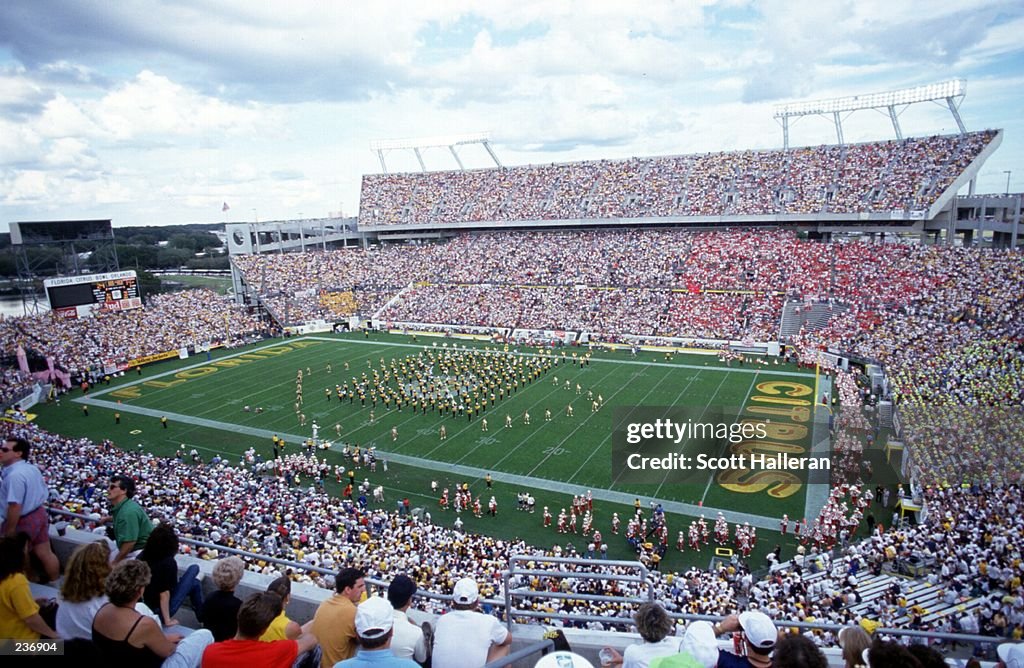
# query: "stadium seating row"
904 176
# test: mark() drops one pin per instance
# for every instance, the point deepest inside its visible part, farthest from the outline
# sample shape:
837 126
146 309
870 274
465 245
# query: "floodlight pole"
451 147
839 127
487 145
896 123
955 110
451 142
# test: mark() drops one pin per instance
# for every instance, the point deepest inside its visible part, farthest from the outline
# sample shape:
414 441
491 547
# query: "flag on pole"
225 207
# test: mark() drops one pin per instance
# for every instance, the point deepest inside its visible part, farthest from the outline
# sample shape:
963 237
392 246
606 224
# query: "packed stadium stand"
906 175
944 323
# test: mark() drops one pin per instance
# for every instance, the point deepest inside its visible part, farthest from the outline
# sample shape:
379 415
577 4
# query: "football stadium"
784 382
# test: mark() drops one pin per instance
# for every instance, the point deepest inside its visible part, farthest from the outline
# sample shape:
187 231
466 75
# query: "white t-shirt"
407 640
74 620
464 637
639 656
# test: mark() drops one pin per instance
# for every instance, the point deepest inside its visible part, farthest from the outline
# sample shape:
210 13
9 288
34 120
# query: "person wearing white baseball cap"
465 637
1011 655
562 660
375 619
758 639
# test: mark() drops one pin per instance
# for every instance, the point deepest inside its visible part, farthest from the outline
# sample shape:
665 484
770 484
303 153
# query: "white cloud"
26 187
18 89
273 110
19 143
64 118
153 105
70 152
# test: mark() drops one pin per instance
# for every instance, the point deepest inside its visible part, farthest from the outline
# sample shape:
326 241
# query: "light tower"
449 141
892 102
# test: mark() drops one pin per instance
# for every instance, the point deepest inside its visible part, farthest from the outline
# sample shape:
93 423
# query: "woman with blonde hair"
220 609
81 592
122 636
853 640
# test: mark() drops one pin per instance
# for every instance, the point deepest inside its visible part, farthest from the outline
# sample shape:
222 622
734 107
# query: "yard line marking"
702 413
578 427
528 438
656 385
711 478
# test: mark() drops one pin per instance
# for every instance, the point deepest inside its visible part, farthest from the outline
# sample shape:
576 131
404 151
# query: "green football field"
205 400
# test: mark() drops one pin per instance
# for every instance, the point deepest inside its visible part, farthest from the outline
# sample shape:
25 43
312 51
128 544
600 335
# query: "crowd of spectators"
954 360
668 282
907 175
14 385
609 311
944 321
168 322
958 343
973 536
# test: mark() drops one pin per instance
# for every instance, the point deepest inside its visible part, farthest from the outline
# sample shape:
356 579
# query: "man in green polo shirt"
131 525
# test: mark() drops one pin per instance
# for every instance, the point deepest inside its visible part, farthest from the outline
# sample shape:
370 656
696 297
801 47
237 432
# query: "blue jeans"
190 586
189 652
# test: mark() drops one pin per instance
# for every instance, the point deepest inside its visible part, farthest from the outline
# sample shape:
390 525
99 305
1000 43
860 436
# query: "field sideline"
203 400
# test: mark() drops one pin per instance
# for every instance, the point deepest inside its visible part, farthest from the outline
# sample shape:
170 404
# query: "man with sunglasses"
23 496
131 524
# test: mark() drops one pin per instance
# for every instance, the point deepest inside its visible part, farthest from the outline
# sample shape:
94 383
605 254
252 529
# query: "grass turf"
205 399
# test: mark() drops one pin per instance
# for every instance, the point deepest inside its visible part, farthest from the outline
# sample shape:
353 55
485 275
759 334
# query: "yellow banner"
155 357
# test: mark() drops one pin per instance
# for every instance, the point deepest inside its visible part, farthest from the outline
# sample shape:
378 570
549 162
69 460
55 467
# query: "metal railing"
511 612
514 571
542 646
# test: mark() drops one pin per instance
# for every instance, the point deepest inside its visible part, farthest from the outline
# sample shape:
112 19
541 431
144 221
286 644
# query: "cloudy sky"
152 112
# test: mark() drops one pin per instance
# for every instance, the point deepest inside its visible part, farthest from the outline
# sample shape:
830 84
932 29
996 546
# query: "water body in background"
13 307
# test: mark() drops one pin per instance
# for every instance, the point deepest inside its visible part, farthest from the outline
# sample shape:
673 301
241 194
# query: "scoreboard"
78 296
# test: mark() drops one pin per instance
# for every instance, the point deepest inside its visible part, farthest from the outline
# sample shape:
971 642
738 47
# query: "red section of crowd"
945 321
